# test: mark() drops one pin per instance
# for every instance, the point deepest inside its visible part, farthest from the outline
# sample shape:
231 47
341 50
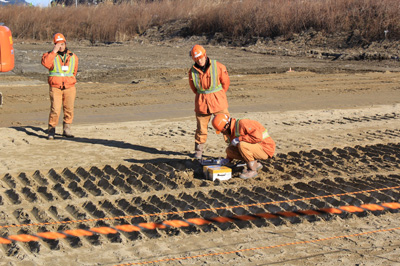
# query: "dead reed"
232 18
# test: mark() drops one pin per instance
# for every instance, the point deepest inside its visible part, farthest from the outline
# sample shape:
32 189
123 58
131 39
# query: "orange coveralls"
255 142
207 104
62 90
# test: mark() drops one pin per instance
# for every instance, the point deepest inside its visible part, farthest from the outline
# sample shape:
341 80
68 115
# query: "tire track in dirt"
179 186
346 120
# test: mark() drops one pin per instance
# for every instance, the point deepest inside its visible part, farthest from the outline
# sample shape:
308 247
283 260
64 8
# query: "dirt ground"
134 109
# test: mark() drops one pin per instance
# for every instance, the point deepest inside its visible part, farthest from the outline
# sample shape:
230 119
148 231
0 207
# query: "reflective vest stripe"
214 79
265 134
196 79
214 74
57 70
237 134
57 65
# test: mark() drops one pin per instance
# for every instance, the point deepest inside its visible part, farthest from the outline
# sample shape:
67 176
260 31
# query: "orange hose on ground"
176 223
23 238
245 217
152 226
195 221
5 241
221 219
331 210
372 207
288 214
266 215
392 205
351 208
104 230
198 221
51 235
127 228
78 232
309 212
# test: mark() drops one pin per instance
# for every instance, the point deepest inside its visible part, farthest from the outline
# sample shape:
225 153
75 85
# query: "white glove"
235 141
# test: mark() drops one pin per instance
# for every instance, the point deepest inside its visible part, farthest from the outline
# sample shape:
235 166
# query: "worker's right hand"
235 141
57 47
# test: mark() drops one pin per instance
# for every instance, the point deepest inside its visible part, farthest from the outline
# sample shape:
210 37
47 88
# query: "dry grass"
232 18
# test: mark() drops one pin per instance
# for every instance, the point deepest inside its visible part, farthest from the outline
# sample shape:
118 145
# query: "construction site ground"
336 124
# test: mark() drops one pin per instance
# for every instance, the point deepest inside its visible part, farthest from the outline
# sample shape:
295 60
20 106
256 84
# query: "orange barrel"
6 50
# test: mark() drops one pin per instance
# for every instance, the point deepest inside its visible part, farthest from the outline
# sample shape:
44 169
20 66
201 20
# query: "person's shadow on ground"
35 131
41 133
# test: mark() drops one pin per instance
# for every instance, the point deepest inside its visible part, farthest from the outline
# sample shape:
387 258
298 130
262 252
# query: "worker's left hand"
235 141
225 161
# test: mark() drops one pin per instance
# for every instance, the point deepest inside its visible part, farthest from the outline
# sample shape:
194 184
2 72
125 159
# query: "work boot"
198 150
251 171
67 131
51 132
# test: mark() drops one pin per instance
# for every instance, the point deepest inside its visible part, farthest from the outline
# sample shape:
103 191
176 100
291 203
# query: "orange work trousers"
247 152
61 98
202 125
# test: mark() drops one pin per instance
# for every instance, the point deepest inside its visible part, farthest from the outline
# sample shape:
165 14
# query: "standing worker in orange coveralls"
63 66
209 80
249 142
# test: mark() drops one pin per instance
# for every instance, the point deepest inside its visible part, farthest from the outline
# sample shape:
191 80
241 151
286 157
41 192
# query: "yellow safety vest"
214 79
57 70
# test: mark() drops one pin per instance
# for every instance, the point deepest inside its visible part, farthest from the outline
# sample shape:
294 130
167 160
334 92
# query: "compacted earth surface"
126 190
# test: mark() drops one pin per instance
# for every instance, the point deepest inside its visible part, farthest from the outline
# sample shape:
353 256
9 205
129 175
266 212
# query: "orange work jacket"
252 132
210 103
48 61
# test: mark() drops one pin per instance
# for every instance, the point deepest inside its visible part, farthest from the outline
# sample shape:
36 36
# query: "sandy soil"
134 107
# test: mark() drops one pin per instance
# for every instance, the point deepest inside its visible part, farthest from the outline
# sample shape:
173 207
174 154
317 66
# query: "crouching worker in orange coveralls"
209 80
63 66
248 141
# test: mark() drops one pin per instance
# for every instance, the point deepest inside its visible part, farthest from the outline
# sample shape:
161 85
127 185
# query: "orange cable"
199 210
105 230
